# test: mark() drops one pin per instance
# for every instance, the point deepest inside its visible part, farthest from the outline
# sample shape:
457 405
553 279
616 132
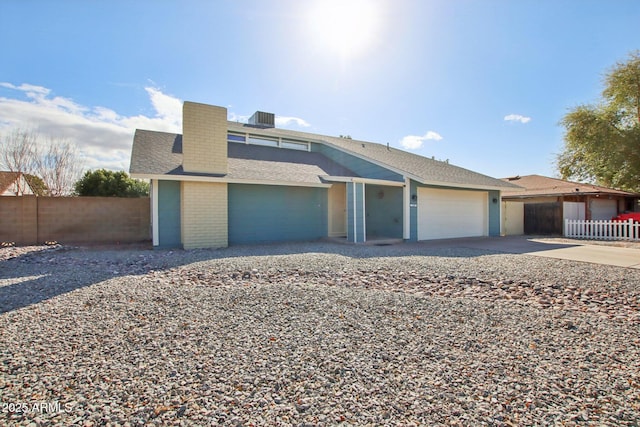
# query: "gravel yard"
315 334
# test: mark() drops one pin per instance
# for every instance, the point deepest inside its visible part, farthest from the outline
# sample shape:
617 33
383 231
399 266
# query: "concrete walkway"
598 254
573 250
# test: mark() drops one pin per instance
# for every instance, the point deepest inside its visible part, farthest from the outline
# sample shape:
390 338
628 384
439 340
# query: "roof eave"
357 179
461 185
575 193
414 177
226 180
370 160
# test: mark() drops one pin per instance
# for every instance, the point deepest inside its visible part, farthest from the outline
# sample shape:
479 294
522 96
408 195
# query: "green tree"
36 183
106 183
602 141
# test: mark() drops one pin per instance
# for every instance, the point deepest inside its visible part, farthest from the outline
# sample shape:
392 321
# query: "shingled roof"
538 185
160 153
422 169
156 153
7 179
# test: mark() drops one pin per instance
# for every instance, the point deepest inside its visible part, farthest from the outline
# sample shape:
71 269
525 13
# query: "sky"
481 83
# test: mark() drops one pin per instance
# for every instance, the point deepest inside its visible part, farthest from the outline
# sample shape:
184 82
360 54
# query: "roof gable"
6 179
9 181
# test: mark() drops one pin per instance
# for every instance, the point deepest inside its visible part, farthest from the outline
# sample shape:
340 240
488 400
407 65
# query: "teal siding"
169 214
383 211
494 213
272 213
361 167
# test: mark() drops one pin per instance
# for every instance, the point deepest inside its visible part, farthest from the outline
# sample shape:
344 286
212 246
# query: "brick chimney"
204 138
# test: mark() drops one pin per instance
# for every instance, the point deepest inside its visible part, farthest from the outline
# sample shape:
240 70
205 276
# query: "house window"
236 137
268 141
294 145
260 140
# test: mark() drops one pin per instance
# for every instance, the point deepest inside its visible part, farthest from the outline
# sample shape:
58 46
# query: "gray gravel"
315 334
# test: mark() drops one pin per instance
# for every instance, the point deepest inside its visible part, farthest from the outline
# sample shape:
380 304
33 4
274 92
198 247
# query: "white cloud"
517 118
413 142
286 121
280 121
168 108
233 117
31 91
103 136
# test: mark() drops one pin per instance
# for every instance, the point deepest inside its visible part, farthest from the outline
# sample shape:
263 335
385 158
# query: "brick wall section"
31 220
29 217
204 138
18 219
204 215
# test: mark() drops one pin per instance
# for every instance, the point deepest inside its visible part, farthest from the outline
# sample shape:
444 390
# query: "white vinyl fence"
602 230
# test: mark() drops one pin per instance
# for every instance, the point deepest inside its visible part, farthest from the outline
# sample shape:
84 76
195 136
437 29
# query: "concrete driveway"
598 254
574 250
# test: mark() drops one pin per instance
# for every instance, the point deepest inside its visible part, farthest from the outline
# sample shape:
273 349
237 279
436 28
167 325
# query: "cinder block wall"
204 215
19 219
93 219
32 220
204 138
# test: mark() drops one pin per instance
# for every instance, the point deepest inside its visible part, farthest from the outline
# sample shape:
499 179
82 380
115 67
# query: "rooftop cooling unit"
262 119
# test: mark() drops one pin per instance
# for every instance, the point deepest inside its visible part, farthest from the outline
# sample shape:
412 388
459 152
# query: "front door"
338 210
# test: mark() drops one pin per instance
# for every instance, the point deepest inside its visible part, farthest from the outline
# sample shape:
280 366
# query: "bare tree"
18 153
58 166
55 160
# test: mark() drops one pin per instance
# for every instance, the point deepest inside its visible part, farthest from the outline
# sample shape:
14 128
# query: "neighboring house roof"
7 179
8 182
159 153
538 185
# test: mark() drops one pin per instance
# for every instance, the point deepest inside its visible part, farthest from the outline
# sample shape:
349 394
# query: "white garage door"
446 214
603 209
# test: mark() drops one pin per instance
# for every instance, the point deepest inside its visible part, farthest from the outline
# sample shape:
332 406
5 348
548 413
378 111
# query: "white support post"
406 209
364 214
155 231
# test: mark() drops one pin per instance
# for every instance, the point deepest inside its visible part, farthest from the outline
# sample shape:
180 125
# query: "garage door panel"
451 213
